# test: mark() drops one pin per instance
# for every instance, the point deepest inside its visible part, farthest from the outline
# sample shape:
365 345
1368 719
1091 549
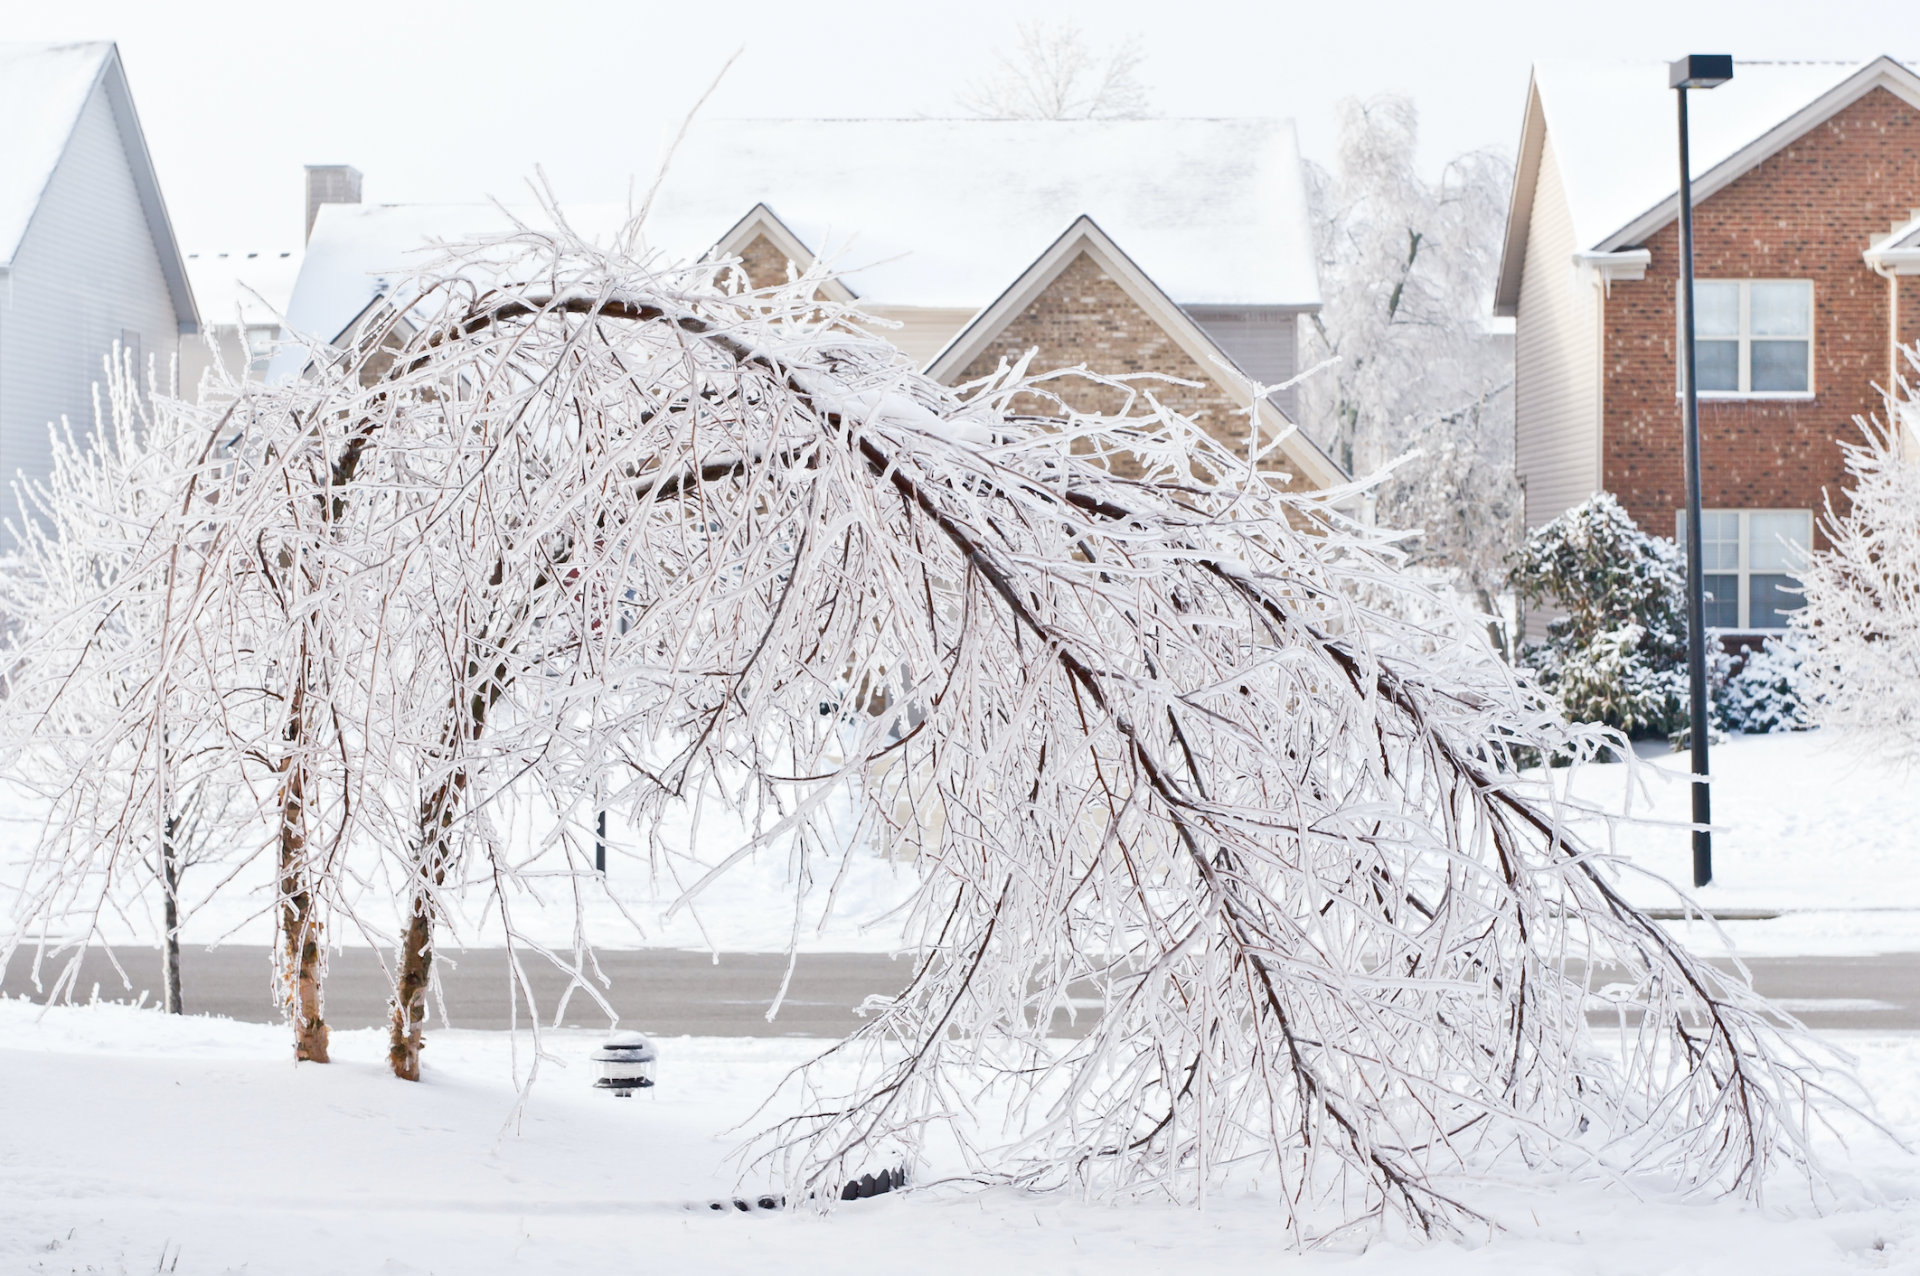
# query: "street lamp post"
1695 71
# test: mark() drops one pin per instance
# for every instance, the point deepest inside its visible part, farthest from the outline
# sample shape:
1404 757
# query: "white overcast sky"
459 100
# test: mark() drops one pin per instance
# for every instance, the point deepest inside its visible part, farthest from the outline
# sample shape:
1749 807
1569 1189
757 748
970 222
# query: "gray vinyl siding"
86 271
1556 360
1261 340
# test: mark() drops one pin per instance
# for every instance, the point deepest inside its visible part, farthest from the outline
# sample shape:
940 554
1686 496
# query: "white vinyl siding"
1556 360
1262 341
86 274
924 331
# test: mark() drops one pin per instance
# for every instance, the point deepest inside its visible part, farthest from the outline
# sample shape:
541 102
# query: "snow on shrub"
1862 614
567 529
1618 654
1761 691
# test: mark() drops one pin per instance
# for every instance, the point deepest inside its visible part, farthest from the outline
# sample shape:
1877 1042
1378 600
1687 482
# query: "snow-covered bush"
1862 613
1761 690
569 528
1618 652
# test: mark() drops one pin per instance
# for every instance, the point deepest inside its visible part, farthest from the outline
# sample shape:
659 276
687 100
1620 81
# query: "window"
1750 560
1753 336
260 341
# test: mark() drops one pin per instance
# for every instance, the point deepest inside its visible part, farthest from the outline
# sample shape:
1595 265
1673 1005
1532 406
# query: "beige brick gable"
1085 317
764 265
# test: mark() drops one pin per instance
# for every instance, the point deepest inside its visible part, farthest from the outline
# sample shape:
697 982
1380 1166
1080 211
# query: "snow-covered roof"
1613 131
934 212
43 89
249 288
919 212
357 252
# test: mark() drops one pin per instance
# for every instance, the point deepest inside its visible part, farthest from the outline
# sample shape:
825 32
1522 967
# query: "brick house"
1799 172
1176 246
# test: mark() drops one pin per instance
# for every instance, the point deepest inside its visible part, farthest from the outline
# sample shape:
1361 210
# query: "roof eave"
1526 179
133 141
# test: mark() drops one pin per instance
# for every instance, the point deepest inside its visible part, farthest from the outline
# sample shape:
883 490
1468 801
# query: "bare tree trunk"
170 880
415 976
300 928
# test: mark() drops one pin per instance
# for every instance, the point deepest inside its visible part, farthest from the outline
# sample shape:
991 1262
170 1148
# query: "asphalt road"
673 993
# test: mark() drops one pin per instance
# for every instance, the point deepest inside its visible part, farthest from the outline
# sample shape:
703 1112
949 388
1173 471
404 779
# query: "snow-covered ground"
133 1142
1805 823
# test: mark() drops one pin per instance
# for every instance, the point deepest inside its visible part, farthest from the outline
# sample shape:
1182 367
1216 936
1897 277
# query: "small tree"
1862 613
563 513
1617 653
104 725
1057 73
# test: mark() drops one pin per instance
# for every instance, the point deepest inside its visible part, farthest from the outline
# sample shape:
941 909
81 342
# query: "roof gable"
762 223
43 90
1085 237
1614 135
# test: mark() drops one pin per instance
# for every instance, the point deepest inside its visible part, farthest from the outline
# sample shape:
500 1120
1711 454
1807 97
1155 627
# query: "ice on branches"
1861 621
565 524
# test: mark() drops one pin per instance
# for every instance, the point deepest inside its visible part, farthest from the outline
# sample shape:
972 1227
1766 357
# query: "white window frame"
1746 571
1746 340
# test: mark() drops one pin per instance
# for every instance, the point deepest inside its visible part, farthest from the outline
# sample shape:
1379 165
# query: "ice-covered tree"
1407 268
1058 73
1862 613
120 747
569 522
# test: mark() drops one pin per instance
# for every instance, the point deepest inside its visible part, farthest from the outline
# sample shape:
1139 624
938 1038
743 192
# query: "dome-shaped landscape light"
626 1064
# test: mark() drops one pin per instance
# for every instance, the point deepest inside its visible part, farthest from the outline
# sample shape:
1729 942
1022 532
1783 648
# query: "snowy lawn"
1804 824
132 1141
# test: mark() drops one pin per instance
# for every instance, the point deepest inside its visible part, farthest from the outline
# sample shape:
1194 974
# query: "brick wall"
1084 316
764 265
1805 213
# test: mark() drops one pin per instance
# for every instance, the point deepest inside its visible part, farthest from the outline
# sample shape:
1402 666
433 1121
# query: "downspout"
1894 415
1893 319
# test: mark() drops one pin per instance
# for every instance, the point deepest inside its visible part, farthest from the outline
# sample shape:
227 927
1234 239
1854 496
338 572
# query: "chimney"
330 184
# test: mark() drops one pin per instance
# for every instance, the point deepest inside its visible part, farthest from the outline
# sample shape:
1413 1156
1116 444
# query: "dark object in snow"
764 1202
626 1065
868 1185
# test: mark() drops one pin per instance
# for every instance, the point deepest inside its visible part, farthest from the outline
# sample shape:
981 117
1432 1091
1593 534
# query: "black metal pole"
1696 579
600 846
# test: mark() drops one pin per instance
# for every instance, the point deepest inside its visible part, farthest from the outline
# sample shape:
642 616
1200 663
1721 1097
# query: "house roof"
1613 131
251 288
43 89
929 212
358 252
1086 236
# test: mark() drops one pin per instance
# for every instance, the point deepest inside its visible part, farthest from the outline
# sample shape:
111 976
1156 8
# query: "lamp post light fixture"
1695 71
626 1064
